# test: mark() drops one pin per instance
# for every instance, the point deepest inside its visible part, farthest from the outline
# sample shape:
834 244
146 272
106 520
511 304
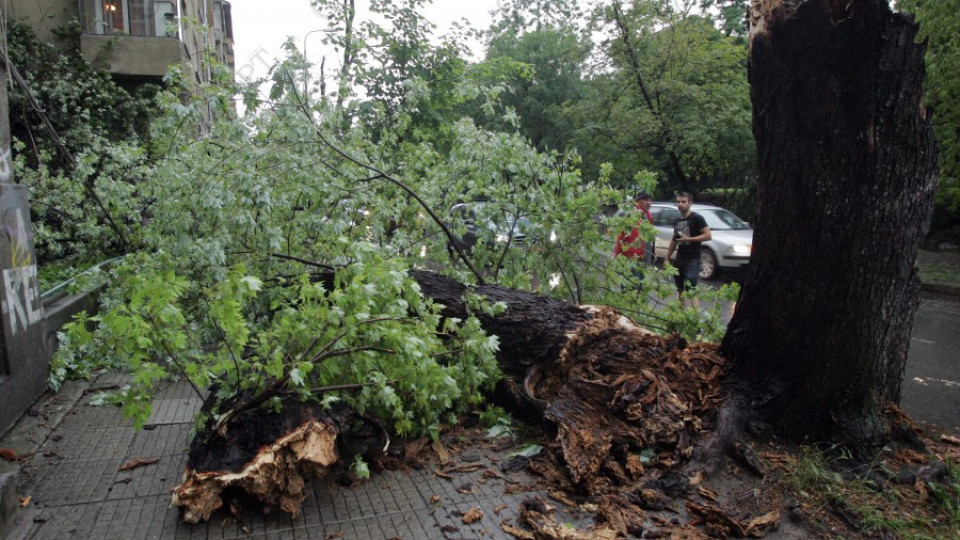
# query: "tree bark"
847 159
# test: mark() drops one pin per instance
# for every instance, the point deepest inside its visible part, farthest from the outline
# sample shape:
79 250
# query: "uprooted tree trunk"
622 399
819 339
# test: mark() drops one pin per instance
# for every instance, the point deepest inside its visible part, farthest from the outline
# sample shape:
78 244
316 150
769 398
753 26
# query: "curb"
25 438
948 290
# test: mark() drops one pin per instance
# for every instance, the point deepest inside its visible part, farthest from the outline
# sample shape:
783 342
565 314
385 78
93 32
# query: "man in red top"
631 245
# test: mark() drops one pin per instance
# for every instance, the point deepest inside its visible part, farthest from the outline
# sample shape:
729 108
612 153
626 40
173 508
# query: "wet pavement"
74 485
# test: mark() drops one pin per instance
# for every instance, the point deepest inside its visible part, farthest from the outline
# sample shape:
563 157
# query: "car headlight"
740 249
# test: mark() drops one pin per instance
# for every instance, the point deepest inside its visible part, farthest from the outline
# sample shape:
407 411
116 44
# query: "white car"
728 250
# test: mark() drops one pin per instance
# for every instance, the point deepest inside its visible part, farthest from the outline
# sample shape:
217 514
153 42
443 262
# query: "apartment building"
139 39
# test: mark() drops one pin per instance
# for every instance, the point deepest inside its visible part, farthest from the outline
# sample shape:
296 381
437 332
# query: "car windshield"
720 219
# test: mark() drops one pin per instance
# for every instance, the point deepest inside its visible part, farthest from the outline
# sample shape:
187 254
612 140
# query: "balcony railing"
156 18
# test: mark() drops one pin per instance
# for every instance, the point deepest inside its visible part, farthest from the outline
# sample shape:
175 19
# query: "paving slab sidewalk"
68 483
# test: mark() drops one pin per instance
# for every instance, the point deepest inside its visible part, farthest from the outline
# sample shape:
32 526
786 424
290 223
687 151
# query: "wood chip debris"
136 463
950 439
720 523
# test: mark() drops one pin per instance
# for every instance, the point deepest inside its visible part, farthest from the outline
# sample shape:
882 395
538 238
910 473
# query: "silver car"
728 250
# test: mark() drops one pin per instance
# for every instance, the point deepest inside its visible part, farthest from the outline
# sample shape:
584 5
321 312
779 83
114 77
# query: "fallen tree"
611 389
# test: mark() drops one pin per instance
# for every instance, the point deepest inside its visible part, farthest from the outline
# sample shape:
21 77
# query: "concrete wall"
138 56
43 15
30 364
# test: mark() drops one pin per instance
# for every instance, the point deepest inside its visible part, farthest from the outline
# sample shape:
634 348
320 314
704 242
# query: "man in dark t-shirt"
689 233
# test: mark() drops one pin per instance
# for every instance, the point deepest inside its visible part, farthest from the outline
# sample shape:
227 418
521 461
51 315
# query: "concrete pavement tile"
86 416
115 379
160 441
178 390
70 483
158 479
84 445
140 518
52 523
33 428
178 410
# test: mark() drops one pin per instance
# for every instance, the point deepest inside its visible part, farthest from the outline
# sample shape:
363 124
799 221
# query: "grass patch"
939 267
870 503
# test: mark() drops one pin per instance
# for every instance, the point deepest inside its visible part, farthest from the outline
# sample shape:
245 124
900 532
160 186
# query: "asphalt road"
931 385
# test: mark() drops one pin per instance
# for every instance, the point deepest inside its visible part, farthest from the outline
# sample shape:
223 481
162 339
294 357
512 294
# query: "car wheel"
708 264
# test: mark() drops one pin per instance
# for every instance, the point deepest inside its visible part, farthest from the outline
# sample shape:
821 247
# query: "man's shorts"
688 273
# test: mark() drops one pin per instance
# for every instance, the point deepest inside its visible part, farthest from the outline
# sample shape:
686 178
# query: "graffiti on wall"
21 293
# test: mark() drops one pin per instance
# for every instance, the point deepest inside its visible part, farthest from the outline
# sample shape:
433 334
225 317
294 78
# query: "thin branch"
223 336
173 358
381 175
344 352
303 261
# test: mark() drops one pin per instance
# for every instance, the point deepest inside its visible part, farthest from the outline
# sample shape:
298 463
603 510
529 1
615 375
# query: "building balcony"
138 38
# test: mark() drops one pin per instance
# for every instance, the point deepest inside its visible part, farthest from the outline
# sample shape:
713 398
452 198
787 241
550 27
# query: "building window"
115 17
130 17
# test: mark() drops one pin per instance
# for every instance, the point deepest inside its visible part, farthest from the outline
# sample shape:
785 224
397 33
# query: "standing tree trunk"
819 339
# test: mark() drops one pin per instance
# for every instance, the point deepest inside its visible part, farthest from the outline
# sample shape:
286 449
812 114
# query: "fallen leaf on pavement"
472 516
24 501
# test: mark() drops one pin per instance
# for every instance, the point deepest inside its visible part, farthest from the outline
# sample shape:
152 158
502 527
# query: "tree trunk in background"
847 164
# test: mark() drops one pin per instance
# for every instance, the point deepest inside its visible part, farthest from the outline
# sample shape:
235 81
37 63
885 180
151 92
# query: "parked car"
483 227
728 250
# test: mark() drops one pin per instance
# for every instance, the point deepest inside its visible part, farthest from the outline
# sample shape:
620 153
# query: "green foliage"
222 229
528 451
372 329
670 95
83 182
360 468
542 37
83 103
940 27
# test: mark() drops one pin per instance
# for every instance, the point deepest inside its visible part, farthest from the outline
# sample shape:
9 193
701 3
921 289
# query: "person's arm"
704 236
673 246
